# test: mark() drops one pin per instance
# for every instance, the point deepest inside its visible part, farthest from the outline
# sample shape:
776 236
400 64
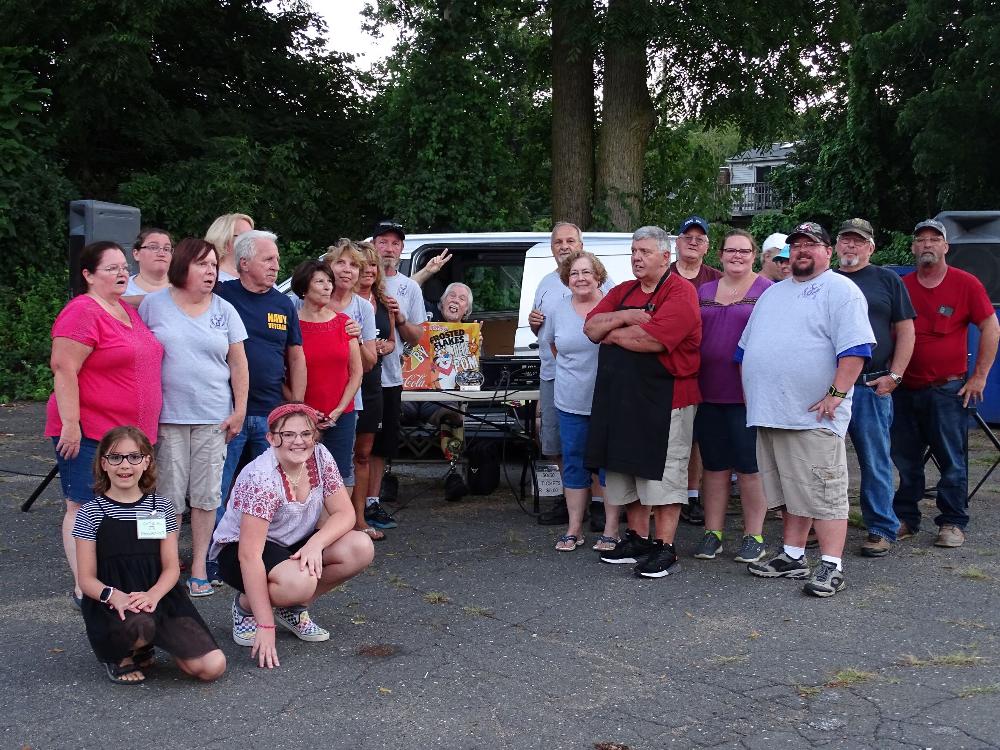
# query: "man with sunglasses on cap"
802 350
891 314
774 258
931 404
406 304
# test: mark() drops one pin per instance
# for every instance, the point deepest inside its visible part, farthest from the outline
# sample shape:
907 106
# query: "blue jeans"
871 419
254 434
931 418
339 440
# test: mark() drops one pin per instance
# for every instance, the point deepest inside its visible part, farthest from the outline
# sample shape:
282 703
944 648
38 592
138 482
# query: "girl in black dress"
126 544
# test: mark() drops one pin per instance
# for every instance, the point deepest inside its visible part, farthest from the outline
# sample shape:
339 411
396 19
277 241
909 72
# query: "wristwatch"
106 594
897 379
834 392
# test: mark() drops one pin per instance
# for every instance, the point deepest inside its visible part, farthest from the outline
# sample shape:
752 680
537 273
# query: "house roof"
775 152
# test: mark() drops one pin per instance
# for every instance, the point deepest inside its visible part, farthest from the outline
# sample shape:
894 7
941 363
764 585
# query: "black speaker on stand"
974 246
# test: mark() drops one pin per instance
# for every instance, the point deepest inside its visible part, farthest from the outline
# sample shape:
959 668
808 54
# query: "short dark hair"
146 231
91 255
188 251
147 482
304 273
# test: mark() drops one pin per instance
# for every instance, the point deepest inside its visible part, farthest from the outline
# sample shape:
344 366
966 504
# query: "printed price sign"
549 480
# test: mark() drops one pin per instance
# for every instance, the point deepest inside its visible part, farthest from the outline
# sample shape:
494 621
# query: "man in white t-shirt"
406 304
802 350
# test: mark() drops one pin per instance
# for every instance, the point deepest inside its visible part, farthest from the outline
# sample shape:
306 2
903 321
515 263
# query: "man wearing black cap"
931 405
406 303
802 351
891 315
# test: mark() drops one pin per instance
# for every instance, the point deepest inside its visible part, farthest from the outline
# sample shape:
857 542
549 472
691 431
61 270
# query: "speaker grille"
982 260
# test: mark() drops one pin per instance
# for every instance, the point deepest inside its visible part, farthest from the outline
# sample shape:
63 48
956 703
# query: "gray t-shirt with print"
411 304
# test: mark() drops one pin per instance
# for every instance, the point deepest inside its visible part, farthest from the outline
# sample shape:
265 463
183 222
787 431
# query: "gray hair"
449 288
653 233
245 246
558 224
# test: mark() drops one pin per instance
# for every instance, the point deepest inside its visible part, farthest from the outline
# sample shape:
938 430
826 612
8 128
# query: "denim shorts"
76 475
573 431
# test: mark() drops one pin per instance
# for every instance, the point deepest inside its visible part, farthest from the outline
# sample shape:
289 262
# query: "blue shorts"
573 431
725 441
77 474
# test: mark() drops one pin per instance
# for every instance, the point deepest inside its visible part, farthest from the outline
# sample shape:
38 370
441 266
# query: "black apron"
630 414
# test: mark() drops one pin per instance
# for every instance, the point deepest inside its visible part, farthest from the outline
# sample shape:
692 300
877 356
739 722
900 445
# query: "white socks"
794 552
835 560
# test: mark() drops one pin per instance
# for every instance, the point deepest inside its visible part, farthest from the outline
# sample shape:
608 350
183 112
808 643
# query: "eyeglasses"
581 272
116 458
928 240
806 245
157 248
290 435
779 260
695 239
115 269
851 241
738 250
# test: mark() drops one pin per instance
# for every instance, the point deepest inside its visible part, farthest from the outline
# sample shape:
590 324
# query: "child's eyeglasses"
116 458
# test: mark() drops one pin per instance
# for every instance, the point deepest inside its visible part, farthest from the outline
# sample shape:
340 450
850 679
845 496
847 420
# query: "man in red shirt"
645 397
930 407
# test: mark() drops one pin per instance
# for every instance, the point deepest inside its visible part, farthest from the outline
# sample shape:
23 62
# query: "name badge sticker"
151 525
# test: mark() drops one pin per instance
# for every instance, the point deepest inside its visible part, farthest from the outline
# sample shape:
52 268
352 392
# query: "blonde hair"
220 233
346 247
370 255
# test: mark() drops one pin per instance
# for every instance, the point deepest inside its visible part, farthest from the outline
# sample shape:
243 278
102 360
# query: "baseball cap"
809 229
934 224
693 221
785 253
776 240
857 226
386 226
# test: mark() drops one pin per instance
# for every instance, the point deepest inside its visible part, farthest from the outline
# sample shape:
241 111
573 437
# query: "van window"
495 288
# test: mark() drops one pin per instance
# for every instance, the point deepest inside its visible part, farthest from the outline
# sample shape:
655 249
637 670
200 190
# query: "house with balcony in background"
746 175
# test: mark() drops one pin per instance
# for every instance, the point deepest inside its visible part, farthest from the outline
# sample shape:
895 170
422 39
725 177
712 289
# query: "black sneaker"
597 517
557 515
750 550
660 563
390 489
710 546
826 580
781 566
631 549
693 513
454 487
379 517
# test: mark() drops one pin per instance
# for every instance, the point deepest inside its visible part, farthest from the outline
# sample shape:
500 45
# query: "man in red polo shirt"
931 406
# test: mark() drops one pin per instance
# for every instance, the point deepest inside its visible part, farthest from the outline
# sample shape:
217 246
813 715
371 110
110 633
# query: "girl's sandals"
374 534
198 587
118 672
569 542
606 543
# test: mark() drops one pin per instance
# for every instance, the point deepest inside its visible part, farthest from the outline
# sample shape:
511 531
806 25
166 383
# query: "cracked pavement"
529 648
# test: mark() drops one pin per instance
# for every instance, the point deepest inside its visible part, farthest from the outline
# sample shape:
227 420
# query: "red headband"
286 409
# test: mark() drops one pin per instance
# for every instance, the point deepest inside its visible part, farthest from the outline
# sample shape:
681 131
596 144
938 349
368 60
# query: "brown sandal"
374 534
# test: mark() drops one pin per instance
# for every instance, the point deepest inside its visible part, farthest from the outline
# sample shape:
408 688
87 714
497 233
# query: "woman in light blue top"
576 370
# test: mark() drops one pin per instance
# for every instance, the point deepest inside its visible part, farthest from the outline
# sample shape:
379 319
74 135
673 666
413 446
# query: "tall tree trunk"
572 111
627 117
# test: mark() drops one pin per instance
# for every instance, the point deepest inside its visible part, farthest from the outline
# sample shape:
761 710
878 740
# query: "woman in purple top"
720 426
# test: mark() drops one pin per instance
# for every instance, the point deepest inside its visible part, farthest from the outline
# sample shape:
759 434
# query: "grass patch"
970 624
854 519
473 611
808 691
610 746
436 597
397 582
971 692
720 660
848 677
974 573
954 659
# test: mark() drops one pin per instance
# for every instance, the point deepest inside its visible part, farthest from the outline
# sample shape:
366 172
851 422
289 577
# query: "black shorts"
725 441
370 416
387 439
273 554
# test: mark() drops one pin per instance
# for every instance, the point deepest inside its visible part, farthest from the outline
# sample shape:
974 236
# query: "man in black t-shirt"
891 315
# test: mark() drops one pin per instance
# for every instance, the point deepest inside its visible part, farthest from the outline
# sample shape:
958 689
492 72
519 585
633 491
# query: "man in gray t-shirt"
802 351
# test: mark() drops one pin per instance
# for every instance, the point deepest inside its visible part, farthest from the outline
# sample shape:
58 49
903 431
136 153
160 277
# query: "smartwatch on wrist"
106 593
834 392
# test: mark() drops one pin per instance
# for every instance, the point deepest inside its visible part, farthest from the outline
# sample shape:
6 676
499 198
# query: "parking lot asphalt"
470 631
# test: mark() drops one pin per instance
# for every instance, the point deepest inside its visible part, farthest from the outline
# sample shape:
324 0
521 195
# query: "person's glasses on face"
580 272
291 435
114 459
115 269
848 241
154 248
696 240
929 240
738 250
798 246
779 261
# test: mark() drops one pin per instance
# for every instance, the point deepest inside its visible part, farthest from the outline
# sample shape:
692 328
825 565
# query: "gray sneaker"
750 550
826 580
710 546
781 566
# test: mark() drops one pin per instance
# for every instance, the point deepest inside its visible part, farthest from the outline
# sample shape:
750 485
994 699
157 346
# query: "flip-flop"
606 543
374 534
192 582
117 671
144 657
562 545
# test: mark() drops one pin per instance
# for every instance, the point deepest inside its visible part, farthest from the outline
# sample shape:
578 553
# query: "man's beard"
850 262
389 263
927 259
804 271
